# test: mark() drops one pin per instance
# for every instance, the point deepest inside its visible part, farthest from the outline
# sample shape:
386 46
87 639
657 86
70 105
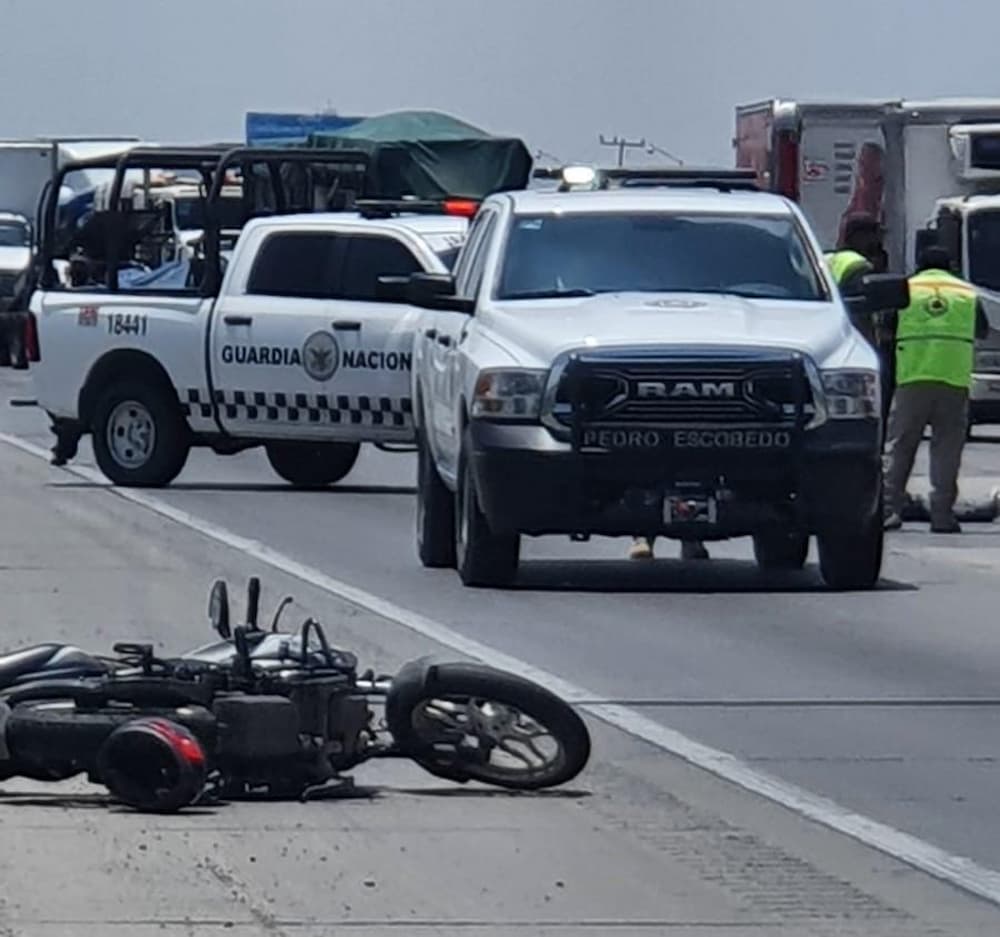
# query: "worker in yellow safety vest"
935 337
862 251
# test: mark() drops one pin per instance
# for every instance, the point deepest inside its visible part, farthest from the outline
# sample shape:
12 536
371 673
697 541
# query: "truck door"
842 171
301 349
448 334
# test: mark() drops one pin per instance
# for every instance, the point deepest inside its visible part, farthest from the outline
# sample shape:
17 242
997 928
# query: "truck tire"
312 465
435 524
851 559
482 557
139 435
782 549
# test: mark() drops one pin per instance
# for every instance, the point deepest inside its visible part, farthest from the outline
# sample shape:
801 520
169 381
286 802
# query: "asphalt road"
886 702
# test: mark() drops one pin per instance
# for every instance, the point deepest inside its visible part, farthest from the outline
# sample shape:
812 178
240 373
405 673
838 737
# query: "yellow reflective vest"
936 333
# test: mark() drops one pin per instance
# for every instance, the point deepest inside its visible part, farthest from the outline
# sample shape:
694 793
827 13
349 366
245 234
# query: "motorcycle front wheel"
468 722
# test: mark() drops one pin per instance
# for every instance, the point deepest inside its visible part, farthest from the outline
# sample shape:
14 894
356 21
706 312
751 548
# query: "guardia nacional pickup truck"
662 356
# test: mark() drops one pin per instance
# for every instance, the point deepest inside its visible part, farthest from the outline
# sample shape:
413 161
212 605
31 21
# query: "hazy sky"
556 72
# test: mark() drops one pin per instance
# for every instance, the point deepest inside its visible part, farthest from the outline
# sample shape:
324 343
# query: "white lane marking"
962 872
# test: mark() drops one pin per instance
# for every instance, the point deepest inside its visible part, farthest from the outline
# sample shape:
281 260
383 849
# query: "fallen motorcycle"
266 714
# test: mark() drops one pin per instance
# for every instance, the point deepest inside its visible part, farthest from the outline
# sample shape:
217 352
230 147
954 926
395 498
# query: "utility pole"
622 145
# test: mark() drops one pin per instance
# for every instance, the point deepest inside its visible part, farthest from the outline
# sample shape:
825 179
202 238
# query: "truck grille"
8 282
667 388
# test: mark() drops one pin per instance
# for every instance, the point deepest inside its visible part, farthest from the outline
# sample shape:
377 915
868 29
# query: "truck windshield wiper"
578 293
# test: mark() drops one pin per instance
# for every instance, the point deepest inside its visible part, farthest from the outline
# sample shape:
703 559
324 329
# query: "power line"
653 148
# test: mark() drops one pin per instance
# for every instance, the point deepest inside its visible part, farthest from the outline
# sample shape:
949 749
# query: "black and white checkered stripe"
335 409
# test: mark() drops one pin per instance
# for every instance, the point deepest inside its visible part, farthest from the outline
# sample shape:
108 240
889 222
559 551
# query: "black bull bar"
705 446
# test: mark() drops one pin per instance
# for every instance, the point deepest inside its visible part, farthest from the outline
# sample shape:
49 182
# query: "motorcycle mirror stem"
253 602
285 602
218 609
243 666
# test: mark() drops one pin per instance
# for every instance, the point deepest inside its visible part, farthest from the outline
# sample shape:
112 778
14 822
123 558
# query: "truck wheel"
140 438
312 465
781 549
852 559
435 513
483 558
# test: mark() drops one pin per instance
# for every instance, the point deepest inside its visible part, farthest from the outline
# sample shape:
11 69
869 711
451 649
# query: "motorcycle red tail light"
154 765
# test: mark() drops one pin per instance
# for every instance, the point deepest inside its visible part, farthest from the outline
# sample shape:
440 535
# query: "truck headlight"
514 394
852 395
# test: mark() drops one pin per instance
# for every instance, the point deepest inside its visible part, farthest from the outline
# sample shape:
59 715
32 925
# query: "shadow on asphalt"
274 488
487 792
659 576
61 801
99 801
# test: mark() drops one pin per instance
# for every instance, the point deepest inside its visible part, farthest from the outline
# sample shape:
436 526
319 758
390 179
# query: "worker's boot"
946 526
641 549
693 550
67 443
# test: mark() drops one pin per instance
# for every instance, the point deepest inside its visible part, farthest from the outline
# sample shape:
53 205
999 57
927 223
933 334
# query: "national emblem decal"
321 356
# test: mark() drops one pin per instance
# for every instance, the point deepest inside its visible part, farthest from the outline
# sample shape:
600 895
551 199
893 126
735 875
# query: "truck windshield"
984 249
14 234
580 254
190 213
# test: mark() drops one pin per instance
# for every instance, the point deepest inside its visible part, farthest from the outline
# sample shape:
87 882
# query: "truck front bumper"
984 398
529 482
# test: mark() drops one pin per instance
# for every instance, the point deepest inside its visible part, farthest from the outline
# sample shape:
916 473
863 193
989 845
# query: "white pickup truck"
295 352
670 361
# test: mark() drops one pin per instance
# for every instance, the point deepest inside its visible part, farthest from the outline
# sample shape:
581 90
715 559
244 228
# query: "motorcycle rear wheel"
454 720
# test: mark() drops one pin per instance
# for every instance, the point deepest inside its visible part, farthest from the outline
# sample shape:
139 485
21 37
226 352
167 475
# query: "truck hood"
14 259
545 328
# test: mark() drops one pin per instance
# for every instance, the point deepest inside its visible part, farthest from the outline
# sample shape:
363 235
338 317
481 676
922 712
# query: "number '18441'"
126 324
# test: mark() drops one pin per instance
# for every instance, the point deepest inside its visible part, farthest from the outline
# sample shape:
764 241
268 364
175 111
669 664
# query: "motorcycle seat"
45 660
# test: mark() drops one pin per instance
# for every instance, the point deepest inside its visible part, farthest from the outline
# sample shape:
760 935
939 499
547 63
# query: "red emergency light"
461 207
32 349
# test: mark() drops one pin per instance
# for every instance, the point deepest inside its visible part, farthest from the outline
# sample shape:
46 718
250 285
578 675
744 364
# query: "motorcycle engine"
256 728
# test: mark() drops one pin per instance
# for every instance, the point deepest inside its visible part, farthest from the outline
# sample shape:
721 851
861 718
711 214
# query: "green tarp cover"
431 155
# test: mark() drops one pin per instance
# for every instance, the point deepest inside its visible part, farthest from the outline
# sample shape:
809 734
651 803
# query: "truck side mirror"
436 291
885 291
392 289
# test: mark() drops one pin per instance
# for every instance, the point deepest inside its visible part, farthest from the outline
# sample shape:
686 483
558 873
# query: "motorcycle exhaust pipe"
153 765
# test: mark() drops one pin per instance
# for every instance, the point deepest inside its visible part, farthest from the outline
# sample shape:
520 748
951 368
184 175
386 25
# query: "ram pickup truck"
663 361
295 352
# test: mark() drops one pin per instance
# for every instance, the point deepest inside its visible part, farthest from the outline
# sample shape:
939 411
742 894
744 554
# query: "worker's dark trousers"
944 409
887 364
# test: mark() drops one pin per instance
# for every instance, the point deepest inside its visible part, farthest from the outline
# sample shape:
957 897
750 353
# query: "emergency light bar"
587 177
724 180
386 208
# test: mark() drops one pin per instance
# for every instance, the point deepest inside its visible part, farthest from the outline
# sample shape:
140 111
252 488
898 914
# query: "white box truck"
928 169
